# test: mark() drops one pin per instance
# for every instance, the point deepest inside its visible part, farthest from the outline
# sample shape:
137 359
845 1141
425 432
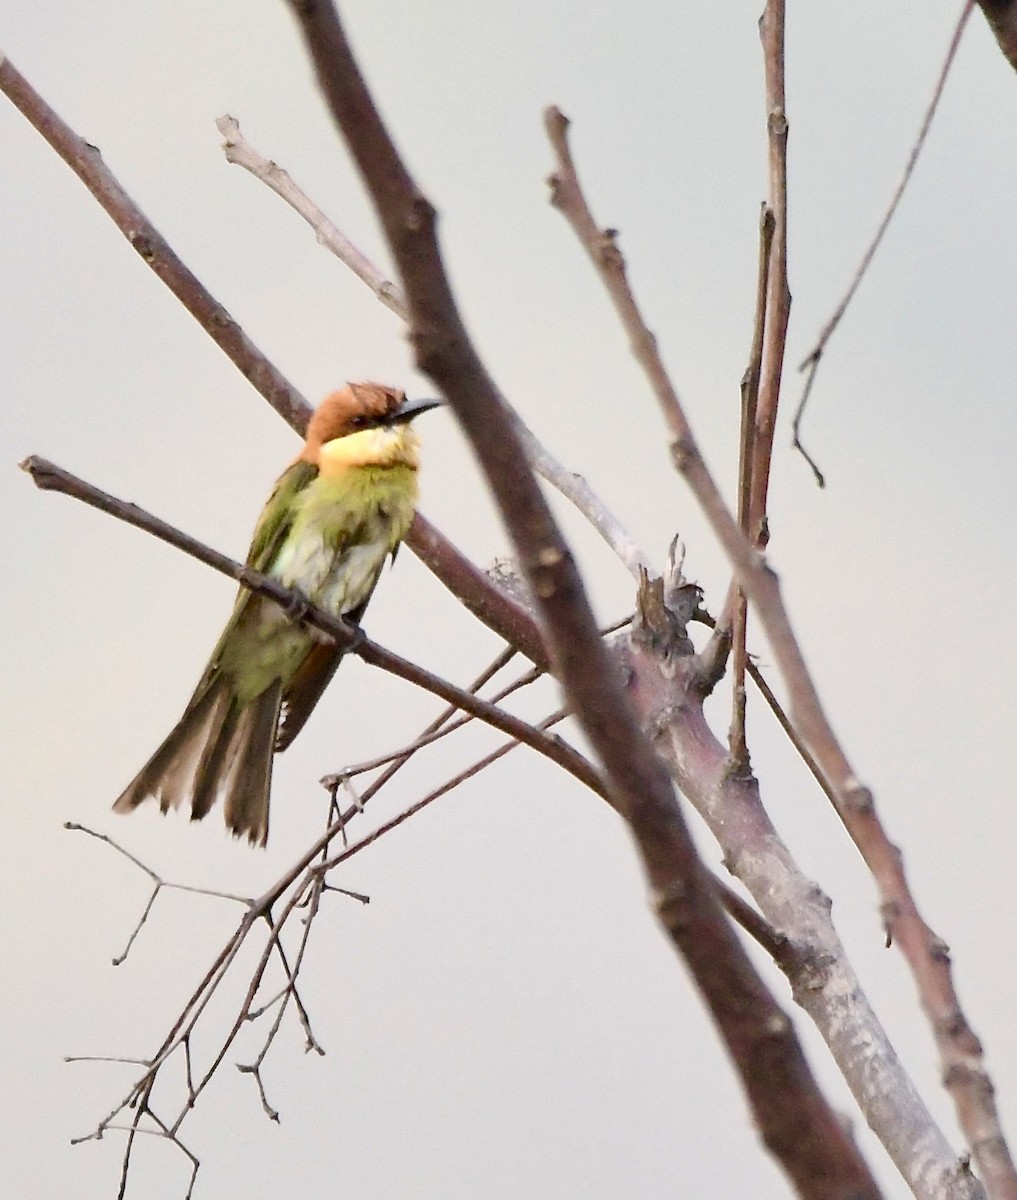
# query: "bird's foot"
297 606
300 610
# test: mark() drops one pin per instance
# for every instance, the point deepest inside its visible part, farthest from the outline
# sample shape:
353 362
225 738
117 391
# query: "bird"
335 515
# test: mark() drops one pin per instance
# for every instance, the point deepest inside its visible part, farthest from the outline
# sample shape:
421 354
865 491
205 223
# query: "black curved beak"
413 408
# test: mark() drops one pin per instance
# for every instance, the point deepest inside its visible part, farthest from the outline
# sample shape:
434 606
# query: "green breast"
341 532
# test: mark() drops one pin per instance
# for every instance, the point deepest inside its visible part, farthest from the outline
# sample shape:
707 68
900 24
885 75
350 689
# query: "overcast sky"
503 1019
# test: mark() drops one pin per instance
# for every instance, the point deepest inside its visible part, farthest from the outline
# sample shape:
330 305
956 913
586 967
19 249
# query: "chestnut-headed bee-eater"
336 514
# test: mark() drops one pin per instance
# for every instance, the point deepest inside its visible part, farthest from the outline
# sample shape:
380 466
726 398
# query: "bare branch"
778 302
49 477
483 600
491 605
960 1051
574 487
442 726
86 162
746 461
158 885
803 1132
239 151
810 363
821 977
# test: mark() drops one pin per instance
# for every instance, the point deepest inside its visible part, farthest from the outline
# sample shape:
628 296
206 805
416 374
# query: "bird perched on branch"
335 515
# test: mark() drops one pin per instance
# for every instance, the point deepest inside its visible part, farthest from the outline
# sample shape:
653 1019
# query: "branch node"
657 627
939 951
684 453
671 902
857 798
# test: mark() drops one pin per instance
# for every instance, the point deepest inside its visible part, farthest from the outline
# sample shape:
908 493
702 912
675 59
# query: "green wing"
269 534
277 516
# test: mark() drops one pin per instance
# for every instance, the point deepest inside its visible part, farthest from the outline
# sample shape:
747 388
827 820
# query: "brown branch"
756 926
307 880
49 477
240 152
795 1120
86 162
959 1049
815 963
444 724
746 457
571 485
158 884
778 305
473 588
479 595
770 699
810 363
288 992
754 369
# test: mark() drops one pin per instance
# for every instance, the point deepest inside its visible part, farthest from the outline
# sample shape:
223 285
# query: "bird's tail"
218 748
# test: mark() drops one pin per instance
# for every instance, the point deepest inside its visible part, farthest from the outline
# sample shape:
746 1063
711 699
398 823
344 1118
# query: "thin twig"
959 1048
759 1037
746 458
778 302
288 991
86 162
810 363
571 485
444 724
465 581
49 477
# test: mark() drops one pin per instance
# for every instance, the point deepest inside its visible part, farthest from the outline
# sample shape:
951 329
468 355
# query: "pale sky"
503 1019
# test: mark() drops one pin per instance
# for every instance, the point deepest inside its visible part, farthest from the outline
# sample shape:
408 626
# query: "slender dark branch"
752 376
288 992
50 477
757 1033
441 790
754 924
473 588
794 737
810 364
778 304
573 486
443 724
455 571
86 162
746 455
960 1050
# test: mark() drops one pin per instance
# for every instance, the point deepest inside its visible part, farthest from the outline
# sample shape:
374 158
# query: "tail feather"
247 780
216 750
170 774
219 748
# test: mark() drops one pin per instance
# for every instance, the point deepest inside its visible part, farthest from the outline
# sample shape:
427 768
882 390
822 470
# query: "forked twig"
682 896
960 1051
571 485
810 363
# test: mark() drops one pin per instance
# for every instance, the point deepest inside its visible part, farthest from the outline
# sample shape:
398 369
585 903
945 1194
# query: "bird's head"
364 424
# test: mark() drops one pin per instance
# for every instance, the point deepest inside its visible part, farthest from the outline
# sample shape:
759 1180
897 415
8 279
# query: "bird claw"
297 605
299 609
